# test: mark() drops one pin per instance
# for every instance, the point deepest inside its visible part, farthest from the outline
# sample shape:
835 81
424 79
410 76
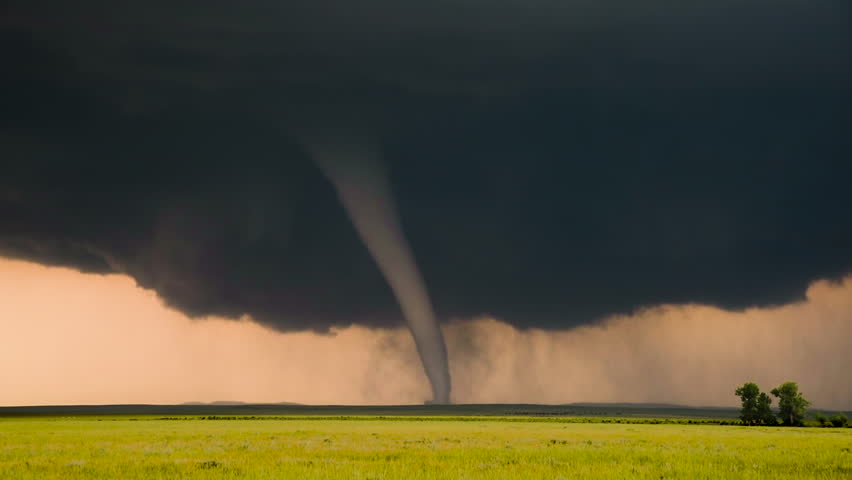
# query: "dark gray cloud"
553 162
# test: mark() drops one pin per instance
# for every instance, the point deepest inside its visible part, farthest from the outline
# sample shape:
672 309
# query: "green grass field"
411 448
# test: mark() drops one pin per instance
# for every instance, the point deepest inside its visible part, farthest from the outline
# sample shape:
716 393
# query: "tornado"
361 181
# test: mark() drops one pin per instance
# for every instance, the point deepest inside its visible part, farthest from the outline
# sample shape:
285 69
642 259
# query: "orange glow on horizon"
72 338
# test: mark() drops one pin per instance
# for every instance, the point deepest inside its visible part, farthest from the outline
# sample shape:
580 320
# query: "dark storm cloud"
553 162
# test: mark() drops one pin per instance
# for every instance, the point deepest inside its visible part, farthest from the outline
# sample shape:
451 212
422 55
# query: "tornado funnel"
360 178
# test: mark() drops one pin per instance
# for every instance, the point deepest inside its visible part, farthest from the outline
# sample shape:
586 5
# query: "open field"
38 447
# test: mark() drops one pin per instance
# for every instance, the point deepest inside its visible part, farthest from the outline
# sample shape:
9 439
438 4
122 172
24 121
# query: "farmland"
411 447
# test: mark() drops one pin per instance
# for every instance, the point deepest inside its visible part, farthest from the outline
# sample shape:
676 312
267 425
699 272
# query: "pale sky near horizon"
73 338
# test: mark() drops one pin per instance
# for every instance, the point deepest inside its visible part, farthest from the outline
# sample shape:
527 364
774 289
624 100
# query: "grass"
418 448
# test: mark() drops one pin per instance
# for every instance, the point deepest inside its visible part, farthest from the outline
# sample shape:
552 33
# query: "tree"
791 403
749 394
764 410
821 418
839 420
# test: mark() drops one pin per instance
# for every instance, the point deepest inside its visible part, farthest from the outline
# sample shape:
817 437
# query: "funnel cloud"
356 172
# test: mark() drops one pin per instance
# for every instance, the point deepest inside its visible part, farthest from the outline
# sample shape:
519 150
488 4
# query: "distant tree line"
792 407
837 420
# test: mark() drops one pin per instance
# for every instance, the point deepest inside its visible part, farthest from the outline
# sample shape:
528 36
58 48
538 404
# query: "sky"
72 338
541 172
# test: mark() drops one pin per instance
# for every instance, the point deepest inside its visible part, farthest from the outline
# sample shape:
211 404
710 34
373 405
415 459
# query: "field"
411 447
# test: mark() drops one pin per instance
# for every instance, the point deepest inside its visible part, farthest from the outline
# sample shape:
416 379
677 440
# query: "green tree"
764 410
839 420
791 403
749 394
821 418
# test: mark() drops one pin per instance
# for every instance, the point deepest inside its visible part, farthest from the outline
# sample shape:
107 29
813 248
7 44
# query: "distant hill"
231 402
641 405
625 410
